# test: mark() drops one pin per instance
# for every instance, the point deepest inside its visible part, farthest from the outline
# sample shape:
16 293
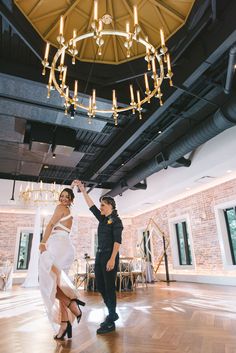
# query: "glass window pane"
183 244
231 220
189 247
95 242
24 250
147 246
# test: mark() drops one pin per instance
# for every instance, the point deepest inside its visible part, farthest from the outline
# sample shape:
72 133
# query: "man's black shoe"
110 319
109 327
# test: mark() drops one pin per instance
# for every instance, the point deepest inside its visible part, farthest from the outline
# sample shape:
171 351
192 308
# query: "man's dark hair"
108 200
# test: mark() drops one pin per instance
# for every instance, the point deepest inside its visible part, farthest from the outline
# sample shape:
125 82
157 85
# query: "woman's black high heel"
78 302
67 331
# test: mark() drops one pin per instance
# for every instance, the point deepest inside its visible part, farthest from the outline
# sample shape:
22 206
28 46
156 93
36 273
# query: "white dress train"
59 255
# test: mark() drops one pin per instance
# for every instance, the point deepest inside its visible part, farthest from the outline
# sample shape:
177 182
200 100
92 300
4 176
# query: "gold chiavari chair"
90 274
5 275
139 271
79 273
124 275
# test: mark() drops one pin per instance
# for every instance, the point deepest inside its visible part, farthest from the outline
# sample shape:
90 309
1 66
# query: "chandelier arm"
97 33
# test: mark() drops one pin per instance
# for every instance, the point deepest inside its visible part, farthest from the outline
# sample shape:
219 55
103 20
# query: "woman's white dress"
54 264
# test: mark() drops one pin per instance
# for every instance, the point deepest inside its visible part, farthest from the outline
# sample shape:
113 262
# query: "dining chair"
124 275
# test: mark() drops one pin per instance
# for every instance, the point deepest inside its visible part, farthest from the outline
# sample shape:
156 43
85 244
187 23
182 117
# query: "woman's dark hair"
70 193
108 200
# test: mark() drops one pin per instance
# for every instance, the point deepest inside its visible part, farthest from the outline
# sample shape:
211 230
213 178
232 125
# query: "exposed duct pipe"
140 186
181 162
223 119
230 70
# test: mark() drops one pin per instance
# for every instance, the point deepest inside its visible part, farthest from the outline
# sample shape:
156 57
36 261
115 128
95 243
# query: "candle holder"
157 60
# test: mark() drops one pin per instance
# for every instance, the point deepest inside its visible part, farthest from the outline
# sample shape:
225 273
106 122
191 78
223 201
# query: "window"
184 249
25 244
95 242
147 246
230 219
181 243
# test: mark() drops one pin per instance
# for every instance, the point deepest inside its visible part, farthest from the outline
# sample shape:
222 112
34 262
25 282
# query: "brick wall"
200 210
198 207
9 222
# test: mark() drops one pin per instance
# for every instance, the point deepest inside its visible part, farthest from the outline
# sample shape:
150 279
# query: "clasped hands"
79 184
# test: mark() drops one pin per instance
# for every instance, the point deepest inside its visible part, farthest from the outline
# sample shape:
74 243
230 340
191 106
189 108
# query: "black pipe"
230 70
13 190
181 162
214 10
224 118
166 261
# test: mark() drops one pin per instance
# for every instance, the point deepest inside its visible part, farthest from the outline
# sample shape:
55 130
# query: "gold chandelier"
58 70
42 194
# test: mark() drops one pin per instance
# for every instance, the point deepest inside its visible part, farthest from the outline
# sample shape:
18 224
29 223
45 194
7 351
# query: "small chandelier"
42 194
153 57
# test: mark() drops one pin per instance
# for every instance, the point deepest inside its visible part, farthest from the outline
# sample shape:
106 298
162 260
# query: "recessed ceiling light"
229 171
159 132
46 167
122 164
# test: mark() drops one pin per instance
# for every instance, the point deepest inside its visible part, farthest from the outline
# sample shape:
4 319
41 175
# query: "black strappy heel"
67 331
78 302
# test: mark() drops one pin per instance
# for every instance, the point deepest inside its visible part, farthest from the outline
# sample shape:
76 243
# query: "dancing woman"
57 254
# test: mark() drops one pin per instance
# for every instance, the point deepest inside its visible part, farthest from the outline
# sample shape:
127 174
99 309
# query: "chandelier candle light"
153 56
42 194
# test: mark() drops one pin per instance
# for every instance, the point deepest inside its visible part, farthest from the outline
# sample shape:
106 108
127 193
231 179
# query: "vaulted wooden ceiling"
45 15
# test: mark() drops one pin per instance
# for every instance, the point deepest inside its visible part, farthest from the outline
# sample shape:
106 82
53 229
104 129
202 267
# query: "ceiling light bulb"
53 156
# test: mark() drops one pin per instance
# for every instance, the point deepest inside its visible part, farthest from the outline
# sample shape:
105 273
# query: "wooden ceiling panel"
44 15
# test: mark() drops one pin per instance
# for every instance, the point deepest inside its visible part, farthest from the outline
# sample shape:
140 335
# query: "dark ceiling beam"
207 49
160 138
46 106
37 112
34 73
23 28
50 179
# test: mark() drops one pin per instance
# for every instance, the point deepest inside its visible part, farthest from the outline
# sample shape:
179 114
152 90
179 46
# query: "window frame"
174 244
147 246
186 243
18 237
140 232
223 234
94 233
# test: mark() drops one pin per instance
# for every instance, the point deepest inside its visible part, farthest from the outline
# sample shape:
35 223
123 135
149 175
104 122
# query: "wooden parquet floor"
181 318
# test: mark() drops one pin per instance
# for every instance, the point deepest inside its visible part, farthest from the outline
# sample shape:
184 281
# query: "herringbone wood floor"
181 318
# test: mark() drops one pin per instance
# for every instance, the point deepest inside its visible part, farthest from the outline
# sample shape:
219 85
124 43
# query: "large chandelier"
157 61
40 194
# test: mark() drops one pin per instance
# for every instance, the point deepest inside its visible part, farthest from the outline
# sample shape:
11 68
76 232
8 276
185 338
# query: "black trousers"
106 280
